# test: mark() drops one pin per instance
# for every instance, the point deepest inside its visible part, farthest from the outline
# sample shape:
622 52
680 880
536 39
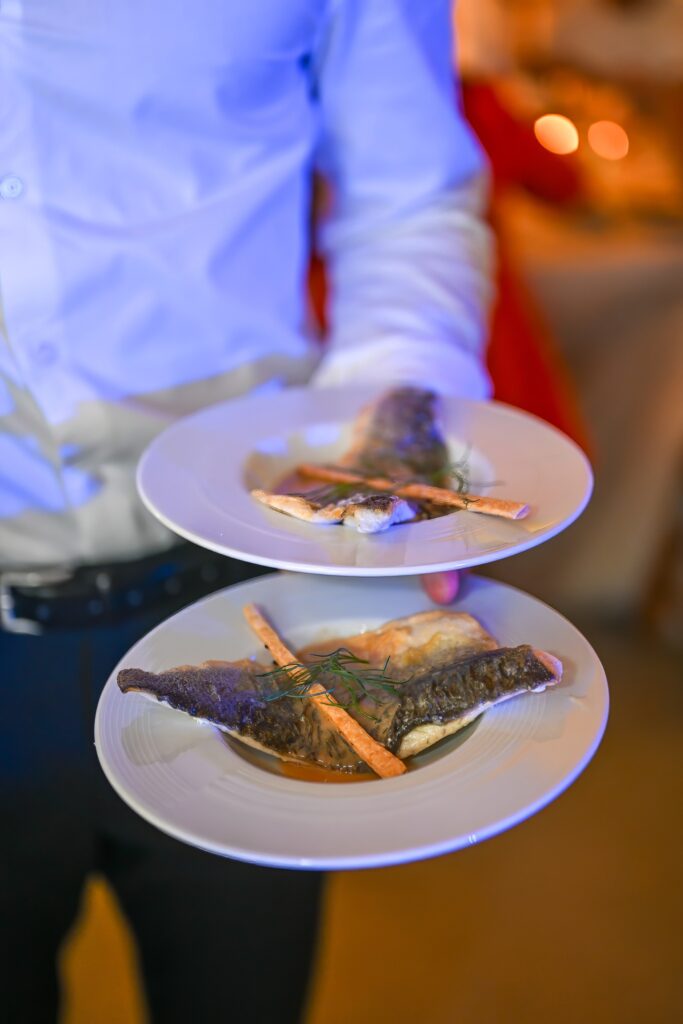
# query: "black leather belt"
36 601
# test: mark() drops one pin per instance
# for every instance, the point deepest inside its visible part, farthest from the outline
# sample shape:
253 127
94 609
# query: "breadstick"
421 492
377 757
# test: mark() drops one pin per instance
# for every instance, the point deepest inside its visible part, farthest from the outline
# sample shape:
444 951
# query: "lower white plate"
193 784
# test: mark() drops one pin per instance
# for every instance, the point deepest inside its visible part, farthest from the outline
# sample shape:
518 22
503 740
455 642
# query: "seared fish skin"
425 649
398 436
446 694
447 671
230 695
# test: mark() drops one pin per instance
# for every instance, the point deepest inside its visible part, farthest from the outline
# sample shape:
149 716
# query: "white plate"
196 477
188 781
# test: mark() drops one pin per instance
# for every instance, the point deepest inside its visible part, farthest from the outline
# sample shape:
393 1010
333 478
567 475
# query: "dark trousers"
218 940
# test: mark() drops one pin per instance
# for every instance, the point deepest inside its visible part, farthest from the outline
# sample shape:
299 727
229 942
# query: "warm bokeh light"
608 139
557 133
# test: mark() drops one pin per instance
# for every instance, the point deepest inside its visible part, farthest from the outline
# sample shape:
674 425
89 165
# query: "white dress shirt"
155 170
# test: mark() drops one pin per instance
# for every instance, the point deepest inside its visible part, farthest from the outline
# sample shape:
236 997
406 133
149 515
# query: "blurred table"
612 293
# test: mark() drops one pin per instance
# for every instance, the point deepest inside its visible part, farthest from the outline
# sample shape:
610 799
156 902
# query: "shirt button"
11 187
46 353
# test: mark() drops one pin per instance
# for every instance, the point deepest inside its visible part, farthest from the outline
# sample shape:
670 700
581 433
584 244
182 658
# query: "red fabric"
525 364
515 154
317 292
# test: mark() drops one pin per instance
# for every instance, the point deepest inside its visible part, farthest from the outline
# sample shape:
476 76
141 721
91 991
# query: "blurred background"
574 915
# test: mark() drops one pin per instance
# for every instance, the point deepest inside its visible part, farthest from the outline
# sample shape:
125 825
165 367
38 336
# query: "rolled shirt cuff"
392 361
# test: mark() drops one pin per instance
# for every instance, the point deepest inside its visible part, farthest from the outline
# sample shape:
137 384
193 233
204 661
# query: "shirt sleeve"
408 251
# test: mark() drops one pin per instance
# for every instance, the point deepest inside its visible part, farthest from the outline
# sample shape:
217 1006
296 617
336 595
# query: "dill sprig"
353 676
459 471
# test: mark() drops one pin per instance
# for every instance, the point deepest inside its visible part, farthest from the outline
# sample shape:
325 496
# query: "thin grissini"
417 491
377 757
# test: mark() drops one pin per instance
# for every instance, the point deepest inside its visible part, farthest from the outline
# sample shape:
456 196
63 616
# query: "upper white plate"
190 782
196 477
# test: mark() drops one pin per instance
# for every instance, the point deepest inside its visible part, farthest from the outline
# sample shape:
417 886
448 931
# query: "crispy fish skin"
230 695
398 436
444 695
446 667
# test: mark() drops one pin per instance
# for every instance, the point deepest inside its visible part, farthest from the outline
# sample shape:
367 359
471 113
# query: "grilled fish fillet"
231 695
396 436
454 671
448 670
368 513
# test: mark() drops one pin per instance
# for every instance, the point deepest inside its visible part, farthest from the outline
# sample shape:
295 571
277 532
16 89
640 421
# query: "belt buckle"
9 621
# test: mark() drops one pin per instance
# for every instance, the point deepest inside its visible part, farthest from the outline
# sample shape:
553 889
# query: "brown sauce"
292 770
292 483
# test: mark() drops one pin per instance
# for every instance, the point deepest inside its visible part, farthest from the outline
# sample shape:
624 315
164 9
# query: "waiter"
156 164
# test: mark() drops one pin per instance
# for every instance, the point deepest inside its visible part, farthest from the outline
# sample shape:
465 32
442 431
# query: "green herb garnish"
353 675
458 471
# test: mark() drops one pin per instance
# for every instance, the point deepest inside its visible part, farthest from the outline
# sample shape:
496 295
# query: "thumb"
441 587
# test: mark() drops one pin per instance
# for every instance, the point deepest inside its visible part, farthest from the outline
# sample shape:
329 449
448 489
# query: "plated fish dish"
396 470
359 704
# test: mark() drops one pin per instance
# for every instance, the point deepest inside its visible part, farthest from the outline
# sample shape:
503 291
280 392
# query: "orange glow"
608 139
557 133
